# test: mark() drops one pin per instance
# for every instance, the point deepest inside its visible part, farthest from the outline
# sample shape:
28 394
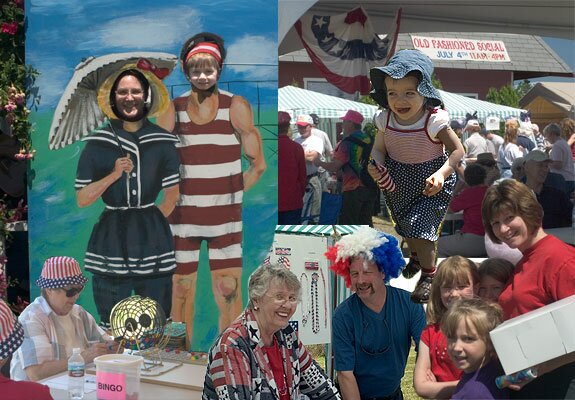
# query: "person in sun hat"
475 142
373 329
11 337
214 126
416 148
349 156
54 324
127 163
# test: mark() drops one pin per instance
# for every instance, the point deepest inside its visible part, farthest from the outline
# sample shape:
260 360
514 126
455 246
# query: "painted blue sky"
62 32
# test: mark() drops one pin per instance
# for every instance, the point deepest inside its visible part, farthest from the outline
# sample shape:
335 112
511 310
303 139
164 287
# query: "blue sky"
566 50
62 32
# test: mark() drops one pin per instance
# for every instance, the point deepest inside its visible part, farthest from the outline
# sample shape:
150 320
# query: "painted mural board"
65 33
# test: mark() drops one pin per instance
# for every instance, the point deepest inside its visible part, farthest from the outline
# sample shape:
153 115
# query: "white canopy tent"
554 18
298 101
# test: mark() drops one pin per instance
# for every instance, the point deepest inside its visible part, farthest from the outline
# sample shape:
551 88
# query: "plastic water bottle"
76 370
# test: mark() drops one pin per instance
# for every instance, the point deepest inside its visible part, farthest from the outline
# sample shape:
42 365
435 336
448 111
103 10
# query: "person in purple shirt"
467 324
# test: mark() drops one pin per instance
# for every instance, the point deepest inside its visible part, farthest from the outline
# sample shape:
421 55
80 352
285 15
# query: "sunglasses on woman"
73 291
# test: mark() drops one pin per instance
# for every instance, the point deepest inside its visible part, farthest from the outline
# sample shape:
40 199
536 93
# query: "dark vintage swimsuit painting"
73 46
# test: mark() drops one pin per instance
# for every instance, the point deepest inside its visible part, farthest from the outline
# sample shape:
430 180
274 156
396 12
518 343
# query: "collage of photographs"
291 199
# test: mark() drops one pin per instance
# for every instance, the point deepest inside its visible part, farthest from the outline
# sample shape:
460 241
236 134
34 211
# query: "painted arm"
92 192
424 381
434 183
171 195
167 120
242 120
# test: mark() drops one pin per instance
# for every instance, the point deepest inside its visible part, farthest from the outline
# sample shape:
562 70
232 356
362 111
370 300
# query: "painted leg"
183 296
227 289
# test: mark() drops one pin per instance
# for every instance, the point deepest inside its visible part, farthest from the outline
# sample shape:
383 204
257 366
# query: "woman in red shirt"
544 275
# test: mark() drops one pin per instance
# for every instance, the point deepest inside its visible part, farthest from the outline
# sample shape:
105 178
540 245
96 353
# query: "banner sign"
452 49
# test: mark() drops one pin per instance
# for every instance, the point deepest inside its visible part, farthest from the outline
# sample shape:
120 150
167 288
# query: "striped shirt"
44 336
406 144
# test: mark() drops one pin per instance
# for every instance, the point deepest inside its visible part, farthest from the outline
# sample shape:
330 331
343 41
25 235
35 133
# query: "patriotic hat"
61 271
398 67
375 246
11 332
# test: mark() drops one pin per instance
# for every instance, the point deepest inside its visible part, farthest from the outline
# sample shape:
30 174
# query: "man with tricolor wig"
54 324
213 127
373 329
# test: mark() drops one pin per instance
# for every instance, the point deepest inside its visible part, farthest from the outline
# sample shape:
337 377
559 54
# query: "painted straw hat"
159 94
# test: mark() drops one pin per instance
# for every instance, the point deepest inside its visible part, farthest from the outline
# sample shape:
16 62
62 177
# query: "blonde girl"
509 150
415 155
466 325
435 376
494 274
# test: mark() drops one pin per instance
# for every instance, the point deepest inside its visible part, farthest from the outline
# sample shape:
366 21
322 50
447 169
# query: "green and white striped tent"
298 101
458 106
318 230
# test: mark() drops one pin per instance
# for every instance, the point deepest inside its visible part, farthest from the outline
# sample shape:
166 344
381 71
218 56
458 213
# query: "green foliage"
523 87
16 78
507 96
436 82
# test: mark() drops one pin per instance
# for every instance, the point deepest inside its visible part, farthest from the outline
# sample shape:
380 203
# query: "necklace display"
305 311
314 303
310 302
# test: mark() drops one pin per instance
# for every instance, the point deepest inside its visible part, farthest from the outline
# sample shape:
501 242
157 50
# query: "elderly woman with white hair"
259 356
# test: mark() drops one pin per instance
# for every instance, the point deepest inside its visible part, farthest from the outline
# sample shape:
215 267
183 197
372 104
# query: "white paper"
61 382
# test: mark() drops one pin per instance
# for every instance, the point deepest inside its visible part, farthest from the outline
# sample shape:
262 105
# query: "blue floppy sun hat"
398 66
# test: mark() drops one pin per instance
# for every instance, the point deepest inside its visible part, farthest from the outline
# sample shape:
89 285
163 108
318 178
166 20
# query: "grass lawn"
406 382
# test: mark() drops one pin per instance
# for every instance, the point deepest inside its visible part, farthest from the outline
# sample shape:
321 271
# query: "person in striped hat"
11 337
54 324
213 127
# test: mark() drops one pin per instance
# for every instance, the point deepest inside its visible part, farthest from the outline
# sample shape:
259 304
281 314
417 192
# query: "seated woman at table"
54 324
544 275
11 336
259 356
469 241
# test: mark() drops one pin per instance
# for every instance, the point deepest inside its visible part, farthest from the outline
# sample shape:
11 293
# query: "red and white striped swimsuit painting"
211 190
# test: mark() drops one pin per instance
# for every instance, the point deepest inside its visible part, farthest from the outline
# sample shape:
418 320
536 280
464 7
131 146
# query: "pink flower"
9 28
10 107
19 98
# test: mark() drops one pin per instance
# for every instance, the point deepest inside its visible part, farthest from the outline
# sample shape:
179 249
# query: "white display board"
304 256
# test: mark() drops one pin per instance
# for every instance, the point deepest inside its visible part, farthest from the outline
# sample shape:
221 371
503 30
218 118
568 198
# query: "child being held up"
411 164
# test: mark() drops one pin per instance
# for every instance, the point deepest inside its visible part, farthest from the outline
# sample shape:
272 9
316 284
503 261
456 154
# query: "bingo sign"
110 386
451 49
